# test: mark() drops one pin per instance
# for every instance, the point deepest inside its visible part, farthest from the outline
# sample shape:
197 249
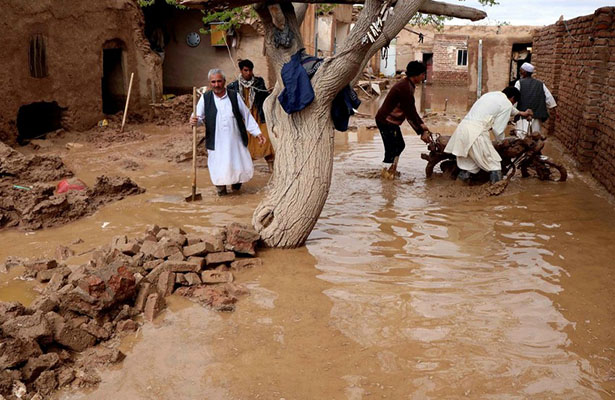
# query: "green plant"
227 19
323 9
147 3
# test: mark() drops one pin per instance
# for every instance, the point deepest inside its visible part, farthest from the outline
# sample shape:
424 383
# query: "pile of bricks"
576 60
83 307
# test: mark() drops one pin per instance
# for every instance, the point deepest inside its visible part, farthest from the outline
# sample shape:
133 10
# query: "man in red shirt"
398 106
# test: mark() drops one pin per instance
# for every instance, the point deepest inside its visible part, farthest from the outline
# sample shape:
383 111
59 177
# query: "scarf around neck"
250 85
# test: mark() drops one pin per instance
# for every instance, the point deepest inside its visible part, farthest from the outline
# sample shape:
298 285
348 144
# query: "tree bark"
428 6
303 141
304 154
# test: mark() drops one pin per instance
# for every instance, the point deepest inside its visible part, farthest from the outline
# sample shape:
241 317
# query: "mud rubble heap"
27 191
74 326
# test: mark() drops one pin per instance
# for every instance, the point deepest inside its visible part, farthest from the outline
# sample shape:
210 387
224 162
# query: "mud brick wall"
576 60
75 34
445 68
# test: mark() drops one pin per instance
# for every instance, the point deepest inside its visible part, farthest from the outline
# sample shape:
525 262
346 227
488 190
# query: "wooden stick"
132 74
193 145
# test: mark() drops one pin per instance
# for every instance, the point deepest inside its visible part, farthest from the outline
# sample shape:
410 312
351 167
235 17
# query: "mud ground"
404 290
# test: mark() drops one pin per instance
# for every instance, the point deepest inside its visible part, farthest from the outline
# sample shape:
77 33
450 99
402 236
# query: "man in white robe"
471 143
534 95
228 159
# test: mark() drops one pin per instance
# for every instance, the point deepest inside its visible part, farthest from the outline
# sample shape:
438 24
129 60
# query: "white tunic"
230 162
522 126
471 142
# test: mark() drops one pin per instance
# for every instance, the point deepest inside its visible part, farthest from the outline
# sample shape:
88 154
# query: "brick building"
452 54
576 60
450 59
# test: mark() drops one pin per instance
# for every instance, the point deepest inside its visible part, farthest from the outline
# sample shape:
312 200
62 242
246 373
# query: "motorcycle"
523 153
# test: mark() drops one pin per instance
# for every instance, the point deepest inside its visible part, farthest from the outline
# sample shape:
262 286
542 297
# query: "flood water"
399 293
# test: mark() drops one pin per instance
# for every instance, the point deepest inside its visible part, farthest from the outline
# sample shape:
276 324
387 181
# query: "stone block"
153 306
36 365
200 261
198 249
152 230
74 338
244 263
40 265
28 327
192 279
45 303
150 265
165 248
219 258
149 247
241 238
130 248
16 351
182 266
166 283
127 325
145 289
177 257
216 277
64 252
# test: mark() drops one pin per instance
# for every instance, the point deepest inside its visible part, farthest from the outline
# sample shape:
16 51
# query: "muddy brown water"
401 292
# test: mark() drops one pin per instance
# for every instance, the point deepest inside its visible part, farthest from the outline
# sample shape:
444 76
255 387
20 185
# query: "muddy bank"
29 198
76 324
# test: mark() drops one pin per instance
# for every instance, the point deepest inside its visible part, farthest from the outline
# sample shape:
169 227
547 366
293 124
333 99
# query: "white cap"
527 67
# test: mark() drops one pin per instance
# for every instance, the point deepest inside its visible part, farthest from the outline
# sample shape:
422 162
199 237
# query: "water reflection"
400 292
468 291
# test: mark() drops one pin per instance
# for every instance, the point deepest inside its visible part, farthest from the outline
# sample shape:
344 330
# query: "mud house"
452 55
188 53
67 64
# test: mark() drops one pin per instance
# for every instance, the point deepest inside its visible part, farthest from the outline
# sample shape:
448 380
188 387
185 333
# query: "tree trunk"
304 154
303 141
301 178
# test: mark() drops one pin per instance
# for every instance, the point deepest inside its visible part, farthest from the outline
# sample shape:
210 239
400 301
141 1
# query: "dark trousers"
393 140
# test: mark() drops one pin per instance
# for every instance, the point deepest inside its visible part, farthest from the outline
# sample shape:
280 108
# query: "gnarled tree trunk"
303 141
304 150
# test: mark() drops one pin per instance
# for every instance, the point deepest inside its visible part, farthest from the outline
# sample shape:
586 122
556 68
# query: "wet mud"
30 199
405 289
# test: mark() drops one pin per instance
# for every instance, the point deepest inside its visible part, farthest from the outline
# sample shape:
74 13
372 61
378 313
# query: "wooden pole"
132 74
193 145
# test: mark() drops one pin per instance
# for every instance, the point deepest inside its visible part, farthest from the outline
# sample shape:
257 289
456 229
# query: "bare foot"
389 174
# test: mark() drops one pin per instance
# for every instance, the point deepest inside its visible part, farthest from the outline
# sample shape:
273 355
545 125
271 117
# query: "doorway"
113 88
36 119
521 53
428 61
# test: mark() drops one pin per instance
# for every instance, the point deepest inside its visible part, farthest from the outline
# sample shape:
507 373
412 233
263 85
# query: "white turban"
527 67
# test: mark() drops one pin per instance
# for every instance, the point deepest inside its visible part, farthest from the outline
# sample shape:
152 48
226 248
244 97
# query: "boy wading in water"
398 106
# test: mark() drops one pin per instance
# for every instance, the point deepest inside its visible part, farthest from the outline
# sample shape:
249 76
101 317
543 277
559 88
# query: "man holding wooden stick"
227 122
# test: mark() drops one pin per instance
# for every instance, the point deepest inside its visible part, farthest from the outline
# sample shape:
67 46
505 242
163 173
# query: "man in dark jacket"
399 106
254 92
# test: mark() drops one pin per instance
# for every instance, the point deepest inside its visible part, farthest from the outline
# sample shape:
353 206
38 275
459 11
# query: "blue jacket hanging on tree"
298 92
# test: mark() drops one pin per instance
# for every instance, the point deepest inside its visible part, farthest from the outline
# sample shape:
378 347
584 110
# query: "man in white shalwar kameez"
471 143
227 120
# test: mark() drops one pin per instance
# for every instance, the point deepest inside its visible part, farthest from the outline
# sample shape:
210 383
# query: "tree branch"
300 10
451 10
428 6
